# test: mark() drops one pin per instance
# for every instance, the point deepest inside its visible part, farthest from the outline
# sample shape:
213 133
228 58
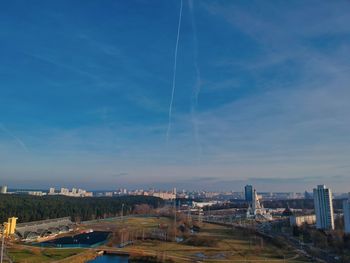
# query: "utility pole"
122 212
122 243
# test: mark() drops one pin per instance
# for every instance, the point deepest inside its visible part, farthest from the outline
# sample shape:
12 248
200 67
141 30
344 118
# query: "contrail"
18 140
197 86
174 73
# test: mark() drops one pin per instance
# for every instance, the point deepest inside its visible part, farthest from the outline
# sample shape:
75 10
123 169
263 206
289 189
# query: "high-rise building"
307 195
248 191
52 191
64 191
346 211
3 189
323 208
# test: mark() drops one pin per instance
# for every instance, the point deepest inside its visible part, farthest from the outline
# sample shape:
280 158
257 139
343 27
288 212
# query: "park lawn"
150 222
137 223
34 255
231 245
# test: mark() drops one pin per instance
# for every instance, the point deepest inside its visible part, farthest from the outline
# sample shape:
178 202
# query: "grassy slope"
34 255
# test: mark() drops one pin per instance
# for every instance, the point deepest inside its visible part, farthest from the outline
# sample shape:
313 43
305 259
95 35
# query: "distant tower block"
248 193
3 189
323 208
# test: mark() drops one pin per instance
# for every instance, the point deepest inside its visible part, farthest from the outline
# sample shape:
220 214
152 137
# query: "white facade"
300 220
323 208
346 211
257 210
3 189
165 195
203 204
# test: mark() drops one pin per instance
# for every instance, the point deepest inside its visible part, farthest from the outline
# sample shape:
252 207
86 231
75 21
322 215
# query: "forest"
31 208
292 203
299 203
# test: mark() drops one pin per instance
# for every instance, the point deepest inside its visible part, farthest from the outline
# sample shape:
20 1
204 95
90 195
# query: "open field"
35 255
213 243
230 245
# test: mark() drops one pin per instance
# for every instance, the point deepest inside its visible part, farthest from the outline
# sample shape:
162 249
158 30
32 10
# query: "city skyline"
261 95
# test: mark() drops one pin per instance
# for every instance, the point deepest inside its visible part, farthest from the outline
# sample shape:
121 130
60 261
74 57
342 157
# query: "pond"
110 259
91 239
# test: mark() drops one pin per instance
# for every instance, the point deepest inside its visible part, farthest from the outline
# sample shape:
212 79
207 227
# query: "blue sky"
262 94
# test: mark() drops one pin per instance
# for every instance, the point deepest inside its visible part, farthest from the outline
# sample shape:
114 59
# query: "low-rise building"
165 195
302 219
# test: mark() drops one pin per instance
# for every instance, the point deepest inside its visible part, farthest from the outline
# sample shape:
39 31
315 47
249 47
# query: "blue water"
92 239
110 258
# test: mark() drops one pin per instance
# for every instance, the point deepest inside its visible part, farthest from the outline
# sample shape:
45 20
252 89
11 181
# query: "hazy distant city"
165 194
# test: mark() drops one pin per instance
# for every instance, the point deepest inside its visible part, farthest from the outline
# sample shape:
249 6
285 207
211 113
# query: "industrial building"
10 226
34 230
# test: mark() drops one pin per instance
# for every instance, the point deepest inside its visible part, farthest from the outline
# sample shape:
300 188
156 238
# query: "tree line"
31 208
298 203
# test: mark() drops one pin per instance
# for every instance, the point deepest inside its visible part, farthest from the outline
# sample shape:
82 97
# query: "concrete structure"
346 212
248 193
74 193
303 219
323 208
52 191
36 193
165 195
10 226
36 229
3 189
203 204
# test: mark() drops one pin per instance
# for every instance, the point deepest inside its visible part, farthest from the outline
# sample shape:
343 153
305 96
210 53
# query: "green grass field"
35 255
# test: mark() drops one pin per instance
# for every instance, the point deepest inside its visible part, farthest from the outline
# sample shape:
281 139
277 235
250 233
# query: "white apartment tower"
346 211
52 191
323 208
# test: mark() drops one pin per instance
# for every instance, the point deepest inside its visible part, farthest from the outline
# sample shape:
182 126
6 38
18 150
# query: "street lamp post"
122 212
122 219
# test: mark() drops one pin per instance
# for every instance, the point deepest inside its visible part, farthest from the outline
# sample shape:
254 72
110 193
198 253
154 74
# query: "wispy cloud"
18 140
262 96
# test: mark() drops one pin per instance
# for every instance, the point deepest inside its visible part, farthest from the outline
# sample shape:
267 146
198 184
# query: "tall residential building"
248 191
346 211
323 208
3 189
52 191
